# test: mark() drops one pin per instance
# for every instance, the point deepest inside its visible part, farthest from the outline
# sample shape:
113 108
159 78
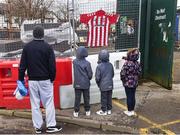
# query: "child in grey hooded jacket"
104 79
82 76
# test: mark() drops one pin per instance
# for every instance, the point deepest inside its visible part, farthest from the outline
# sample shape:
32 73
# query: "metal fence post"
69 15
74 40
147 38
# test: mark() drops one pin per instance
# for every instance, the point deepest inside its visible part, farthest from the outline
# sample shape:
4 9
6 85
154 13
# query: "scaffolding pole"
74 40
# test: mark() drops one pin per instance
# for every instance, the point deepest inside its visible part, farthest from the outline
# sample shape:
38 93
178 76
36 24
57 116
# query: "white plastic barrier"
67 92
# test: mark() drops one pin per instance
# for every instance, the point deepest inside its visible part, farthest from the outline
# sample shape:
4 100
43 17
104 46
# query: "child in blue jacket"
82 76
104 79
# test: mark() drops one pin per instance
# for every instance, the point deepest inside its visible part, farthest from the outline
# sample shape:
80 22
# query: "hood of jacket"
38 32
133 55
81 52
103 56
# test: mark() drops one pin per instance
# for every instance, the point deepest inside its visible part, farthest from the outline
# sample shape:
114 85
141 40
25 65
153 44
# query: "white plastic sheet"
52 35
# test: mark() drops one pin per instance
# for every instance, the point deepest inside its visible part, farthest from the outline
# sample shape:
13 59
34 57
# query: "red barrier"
63 77
9 76
64 71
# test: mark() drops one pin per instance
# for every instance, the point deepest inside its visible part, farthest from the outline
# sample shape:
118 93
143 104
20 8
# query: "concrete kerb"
21 114
6 112
76 121
79 121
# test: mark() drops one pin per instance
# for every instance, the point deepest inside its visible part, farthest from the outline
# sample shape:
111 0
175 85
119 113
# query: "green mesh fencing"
128 25
56 16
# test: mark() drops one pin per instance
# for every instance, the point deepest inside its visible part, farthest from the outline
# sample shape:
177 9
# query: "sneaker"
130 113
53 129
109 112
133 113
38 130
88 113
100 112
75 114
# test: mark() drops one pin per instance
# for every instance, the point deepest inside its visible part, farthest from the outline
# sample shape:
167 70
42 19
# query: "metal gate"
160 41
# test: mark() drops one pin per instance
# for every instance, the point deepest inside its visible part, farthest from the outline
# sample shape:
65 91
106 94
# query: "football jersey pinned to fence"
98 27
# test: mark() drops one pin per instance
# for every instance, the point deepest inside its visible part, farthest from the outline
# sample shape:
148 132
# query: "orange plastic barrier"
9 76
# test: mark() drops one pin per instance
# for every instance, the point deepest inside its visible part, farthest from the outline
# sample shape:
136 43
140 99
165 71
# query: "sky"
178 2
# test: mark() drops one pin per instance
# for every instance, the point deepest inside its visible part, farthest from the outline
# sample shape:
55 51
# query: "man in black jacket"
39 60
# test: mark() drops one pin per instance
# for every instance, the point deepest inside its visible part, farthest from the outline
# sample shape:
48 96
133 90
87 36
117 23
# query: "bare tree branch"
61 11
28 9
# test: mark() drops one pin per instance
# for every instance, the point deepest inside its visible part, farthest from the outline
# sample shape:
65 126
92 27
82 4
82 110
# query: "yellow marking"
119 105
160 126
144 131
147 120
168 132
166 124
171 123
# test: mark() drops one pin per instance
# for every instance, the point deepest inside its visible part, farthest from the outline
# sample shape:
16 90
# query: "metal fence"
66 34
177 45
128 25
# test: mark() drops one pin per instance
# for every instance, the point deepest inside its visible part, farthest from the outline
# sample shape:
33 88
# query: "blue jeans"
131 101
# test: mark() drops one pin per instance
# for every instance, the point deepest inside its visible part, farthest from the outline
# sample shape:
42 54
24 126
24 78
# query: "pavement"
157 113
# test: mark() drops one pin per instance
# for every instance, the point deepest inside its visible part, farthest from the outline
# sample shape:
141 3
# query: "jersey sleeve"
84 18
113 18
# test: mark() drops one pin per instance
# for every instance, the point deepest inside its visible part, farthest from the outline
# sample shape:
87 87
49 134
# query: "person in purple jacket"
129 75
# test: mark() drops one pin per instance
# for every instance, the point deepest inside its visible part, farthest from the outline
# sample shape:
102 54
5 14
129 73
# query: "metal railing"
66 34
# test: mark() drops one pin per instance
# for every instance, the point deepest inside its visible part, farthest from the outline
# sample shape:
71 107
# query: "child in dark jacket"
82 76
104 79
129 75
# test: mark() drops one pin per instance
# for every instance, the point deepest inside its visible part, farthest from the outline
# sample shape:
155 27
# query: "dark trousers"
78 99
106 100
131 101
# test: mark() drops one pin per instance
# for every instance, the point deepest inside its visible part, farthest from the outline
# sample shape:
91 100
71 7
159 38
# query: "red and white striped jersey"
98 27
